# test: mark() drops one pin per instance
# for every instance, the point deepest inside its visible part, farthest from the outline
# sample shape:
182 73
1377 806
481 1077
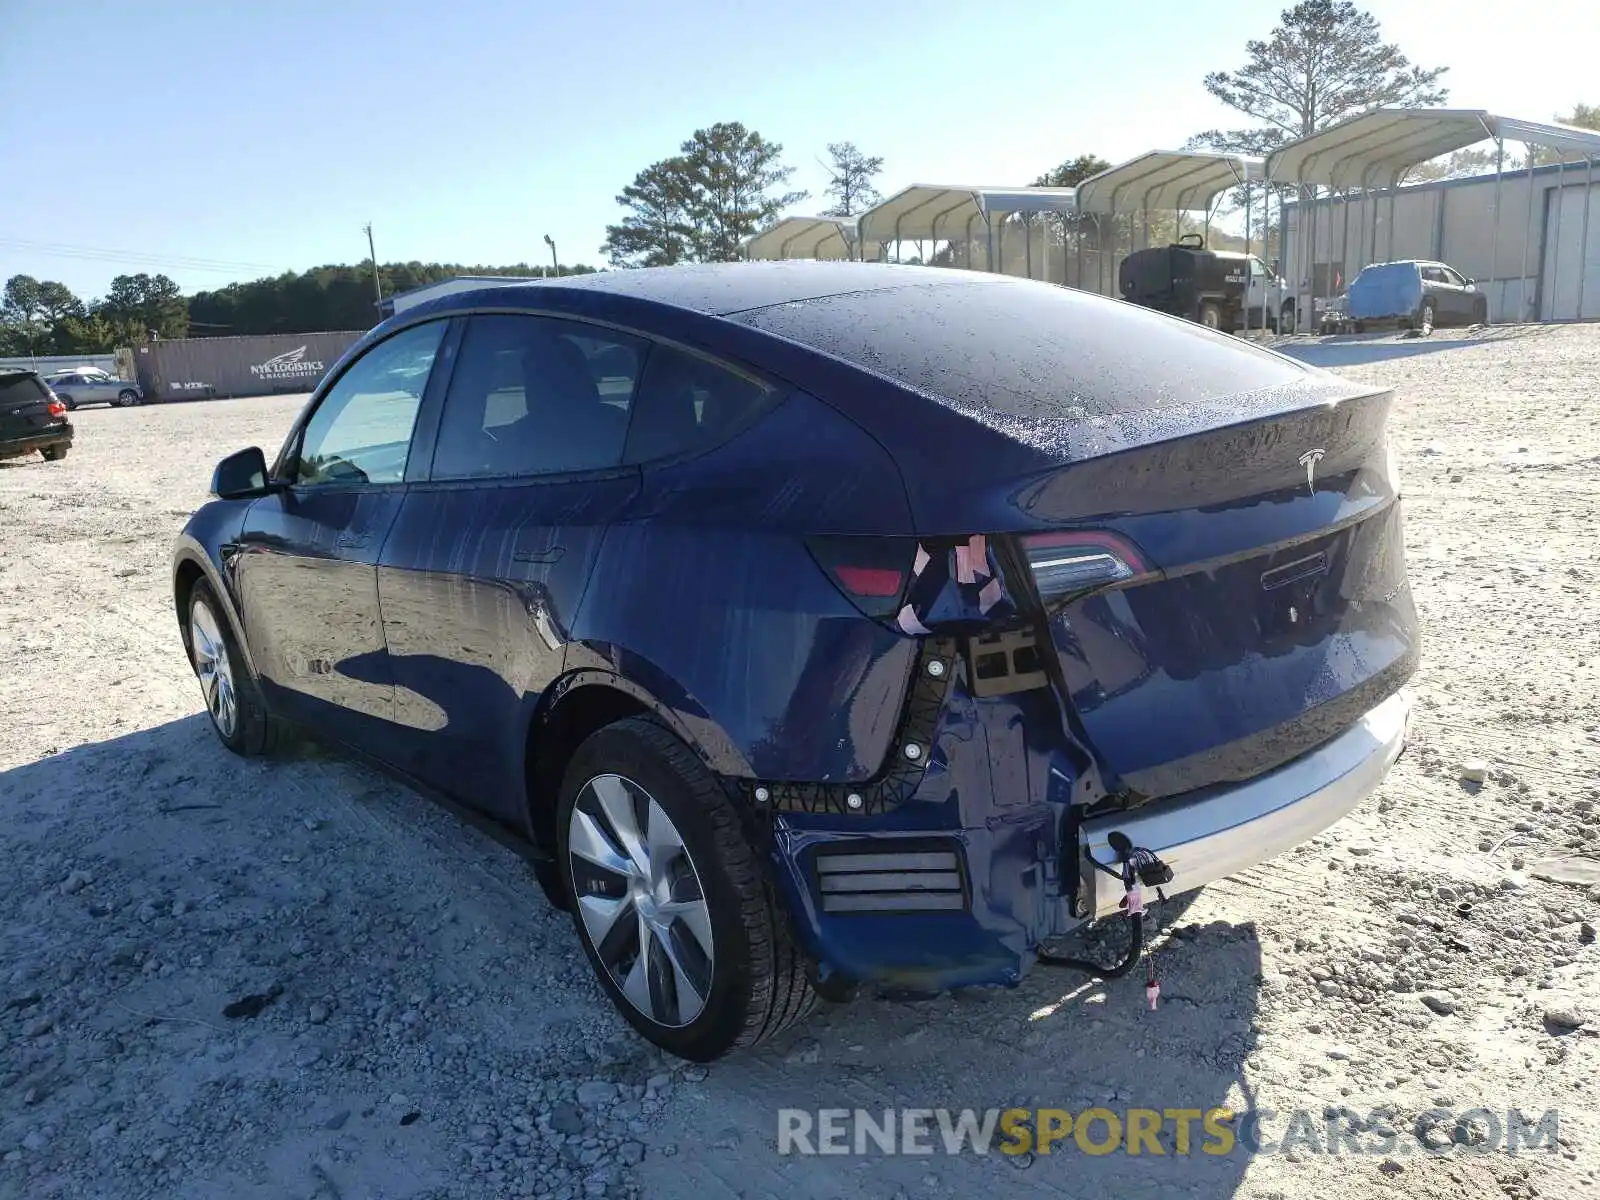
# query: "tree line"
1325 61
44 317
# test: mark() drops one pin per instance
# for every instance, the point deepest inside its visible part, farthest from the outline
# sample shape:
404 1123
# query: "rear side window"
536 396
686 403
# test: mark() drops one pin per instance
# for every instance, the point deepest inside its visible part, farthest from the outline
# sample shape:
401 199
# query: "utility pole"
377 283
555 263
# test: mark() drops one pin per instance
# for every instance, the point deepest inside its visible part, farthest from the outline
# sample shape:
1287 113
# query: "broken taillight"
871 571
1076 561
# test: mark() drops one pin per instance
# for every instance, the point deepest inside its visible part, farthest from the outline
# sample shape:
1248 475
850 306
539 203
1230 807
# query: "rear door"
490 554
24 406
306 571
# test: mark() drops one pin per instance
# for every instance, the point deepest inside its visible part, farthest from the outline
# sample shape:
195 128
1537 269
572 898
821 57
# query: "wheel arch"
190 565
586 700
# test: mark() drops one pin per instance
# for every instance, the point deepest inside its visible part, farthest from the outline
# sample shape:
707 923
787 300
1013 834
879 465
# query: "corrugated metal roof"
1375 149
828 238
1164 180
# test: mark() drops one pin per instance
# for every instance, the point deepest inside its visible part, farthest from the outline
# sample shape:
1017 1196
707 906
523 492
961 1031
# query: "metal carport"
1178 181
805 237
955 214
1371 153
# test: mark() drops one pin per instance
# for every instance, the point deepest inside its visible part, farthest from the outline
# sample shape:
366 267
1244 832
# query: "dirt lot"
437 1032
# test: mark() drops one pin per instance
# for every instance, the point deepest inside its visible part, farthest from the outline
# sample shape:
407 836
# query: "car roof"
715 289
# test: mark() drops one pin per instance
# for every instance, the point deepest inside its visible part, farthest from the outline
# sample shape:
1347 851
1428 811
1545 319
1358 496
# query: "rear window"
1011 349
20 389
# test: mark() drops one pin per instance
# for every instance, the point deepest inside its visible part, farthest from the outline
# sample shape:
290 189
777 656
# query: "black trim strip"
899 776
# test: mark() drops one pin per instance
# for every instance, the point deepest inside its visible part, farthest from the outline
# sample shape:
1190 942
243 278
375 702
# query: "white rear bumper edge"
1220 833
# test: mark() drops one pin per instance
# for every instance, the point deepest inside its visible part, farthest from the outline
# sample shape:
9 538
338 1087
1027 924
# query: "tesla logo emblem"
1309 461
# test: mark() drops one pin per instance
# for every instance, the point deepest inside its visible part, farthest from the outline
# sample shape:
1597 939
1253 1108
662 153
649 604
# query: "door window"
1452 277
1434 275
536 396
360 433
690 403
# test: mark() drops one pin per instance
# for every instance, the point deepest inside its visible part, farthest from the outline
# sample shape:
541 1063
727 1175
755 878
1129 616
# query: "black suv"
31 417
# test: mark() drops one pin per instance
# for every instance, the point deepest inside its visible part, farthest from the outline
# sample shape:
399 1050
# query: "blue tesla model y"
814 625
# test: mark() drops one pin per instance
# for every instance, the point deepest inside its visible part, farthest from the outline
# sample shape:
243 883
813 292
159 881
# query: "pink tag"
1135 901
990 595
964 566
1152 993
978 554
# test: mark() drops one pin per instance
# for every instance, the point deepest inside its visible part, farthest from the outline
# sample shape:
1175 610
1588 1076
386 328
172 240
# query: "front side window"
1433 275
687 402
536 396
1452 277
361 431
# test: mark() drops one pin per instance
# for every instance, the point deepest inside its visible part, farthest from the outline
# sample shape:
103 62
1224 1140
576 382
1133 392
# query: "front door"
306 570
490 555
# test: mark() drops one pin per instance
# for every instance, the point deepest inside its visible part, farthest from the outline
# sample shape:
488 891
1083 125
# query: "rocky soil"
245 979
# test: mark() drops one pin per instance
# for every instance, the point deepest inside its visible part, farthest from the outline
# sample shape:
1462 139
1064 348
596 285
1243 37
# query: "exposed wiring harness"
1137 868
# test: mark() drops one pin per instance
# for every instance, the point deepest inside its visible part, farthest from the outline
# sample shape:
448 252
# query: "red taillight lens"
1077 561
871 571
56 409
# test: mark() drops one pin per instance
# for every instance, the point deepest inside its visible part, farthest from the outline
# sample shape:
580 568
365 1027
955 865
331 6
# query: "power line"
132 257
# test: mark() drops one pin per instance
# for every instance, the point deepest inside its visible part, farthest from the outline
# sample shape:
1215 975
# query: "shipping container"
262 365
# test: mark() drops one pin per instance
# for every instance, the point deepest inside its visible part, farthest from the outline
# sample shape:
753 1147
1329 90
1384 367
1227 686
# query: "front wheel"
127 398
1286 318
672 904
1210 315
233 701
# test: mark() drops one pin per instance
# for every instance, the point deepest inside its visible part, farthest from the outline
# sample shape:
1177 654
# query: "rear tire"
54 453
1425 317
1210 315
646 901
127 398
233 700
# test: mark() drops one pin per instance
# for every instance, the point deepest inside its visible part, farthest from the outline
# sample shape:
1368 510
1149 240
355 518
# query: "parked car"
1219 289
816 624
1414 294
87 385
31 417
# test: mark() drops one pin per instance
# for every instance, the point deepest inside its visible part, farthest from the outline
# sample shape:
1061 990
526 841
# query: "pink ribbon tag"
1152 993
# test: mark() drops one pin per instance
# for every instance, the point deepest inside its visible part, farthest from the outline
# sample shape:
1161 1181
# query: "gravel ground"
409 1018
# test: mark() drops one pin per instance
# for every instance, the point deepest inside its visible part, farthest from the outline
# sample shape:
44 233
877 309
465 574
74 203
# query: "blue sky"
262 136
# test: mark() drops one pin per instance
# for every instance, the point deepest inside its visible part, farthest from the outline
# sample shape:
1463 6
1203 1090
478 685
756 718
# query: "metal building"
1529 238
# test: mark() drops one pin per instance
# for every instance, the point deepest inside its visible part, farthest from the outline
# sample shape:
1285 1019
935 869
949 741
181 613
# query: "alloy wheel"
640 900
214 669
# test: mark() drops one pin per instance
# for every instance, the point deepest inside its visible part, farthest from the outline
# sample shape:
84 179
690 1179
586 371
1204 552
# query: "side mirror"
1472 283
242 473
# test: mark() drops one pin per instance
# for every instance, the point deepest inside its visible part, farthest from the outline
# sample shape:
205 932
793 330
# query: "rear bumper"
1224 830
962 891
58 435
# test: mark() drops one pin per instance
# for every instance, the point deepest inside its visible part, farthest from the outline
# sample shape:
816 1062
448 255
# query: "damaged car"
817 625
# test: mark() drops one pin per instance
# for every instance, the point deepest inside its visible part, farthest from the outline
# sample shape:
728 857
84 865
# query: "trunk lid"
1270 609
